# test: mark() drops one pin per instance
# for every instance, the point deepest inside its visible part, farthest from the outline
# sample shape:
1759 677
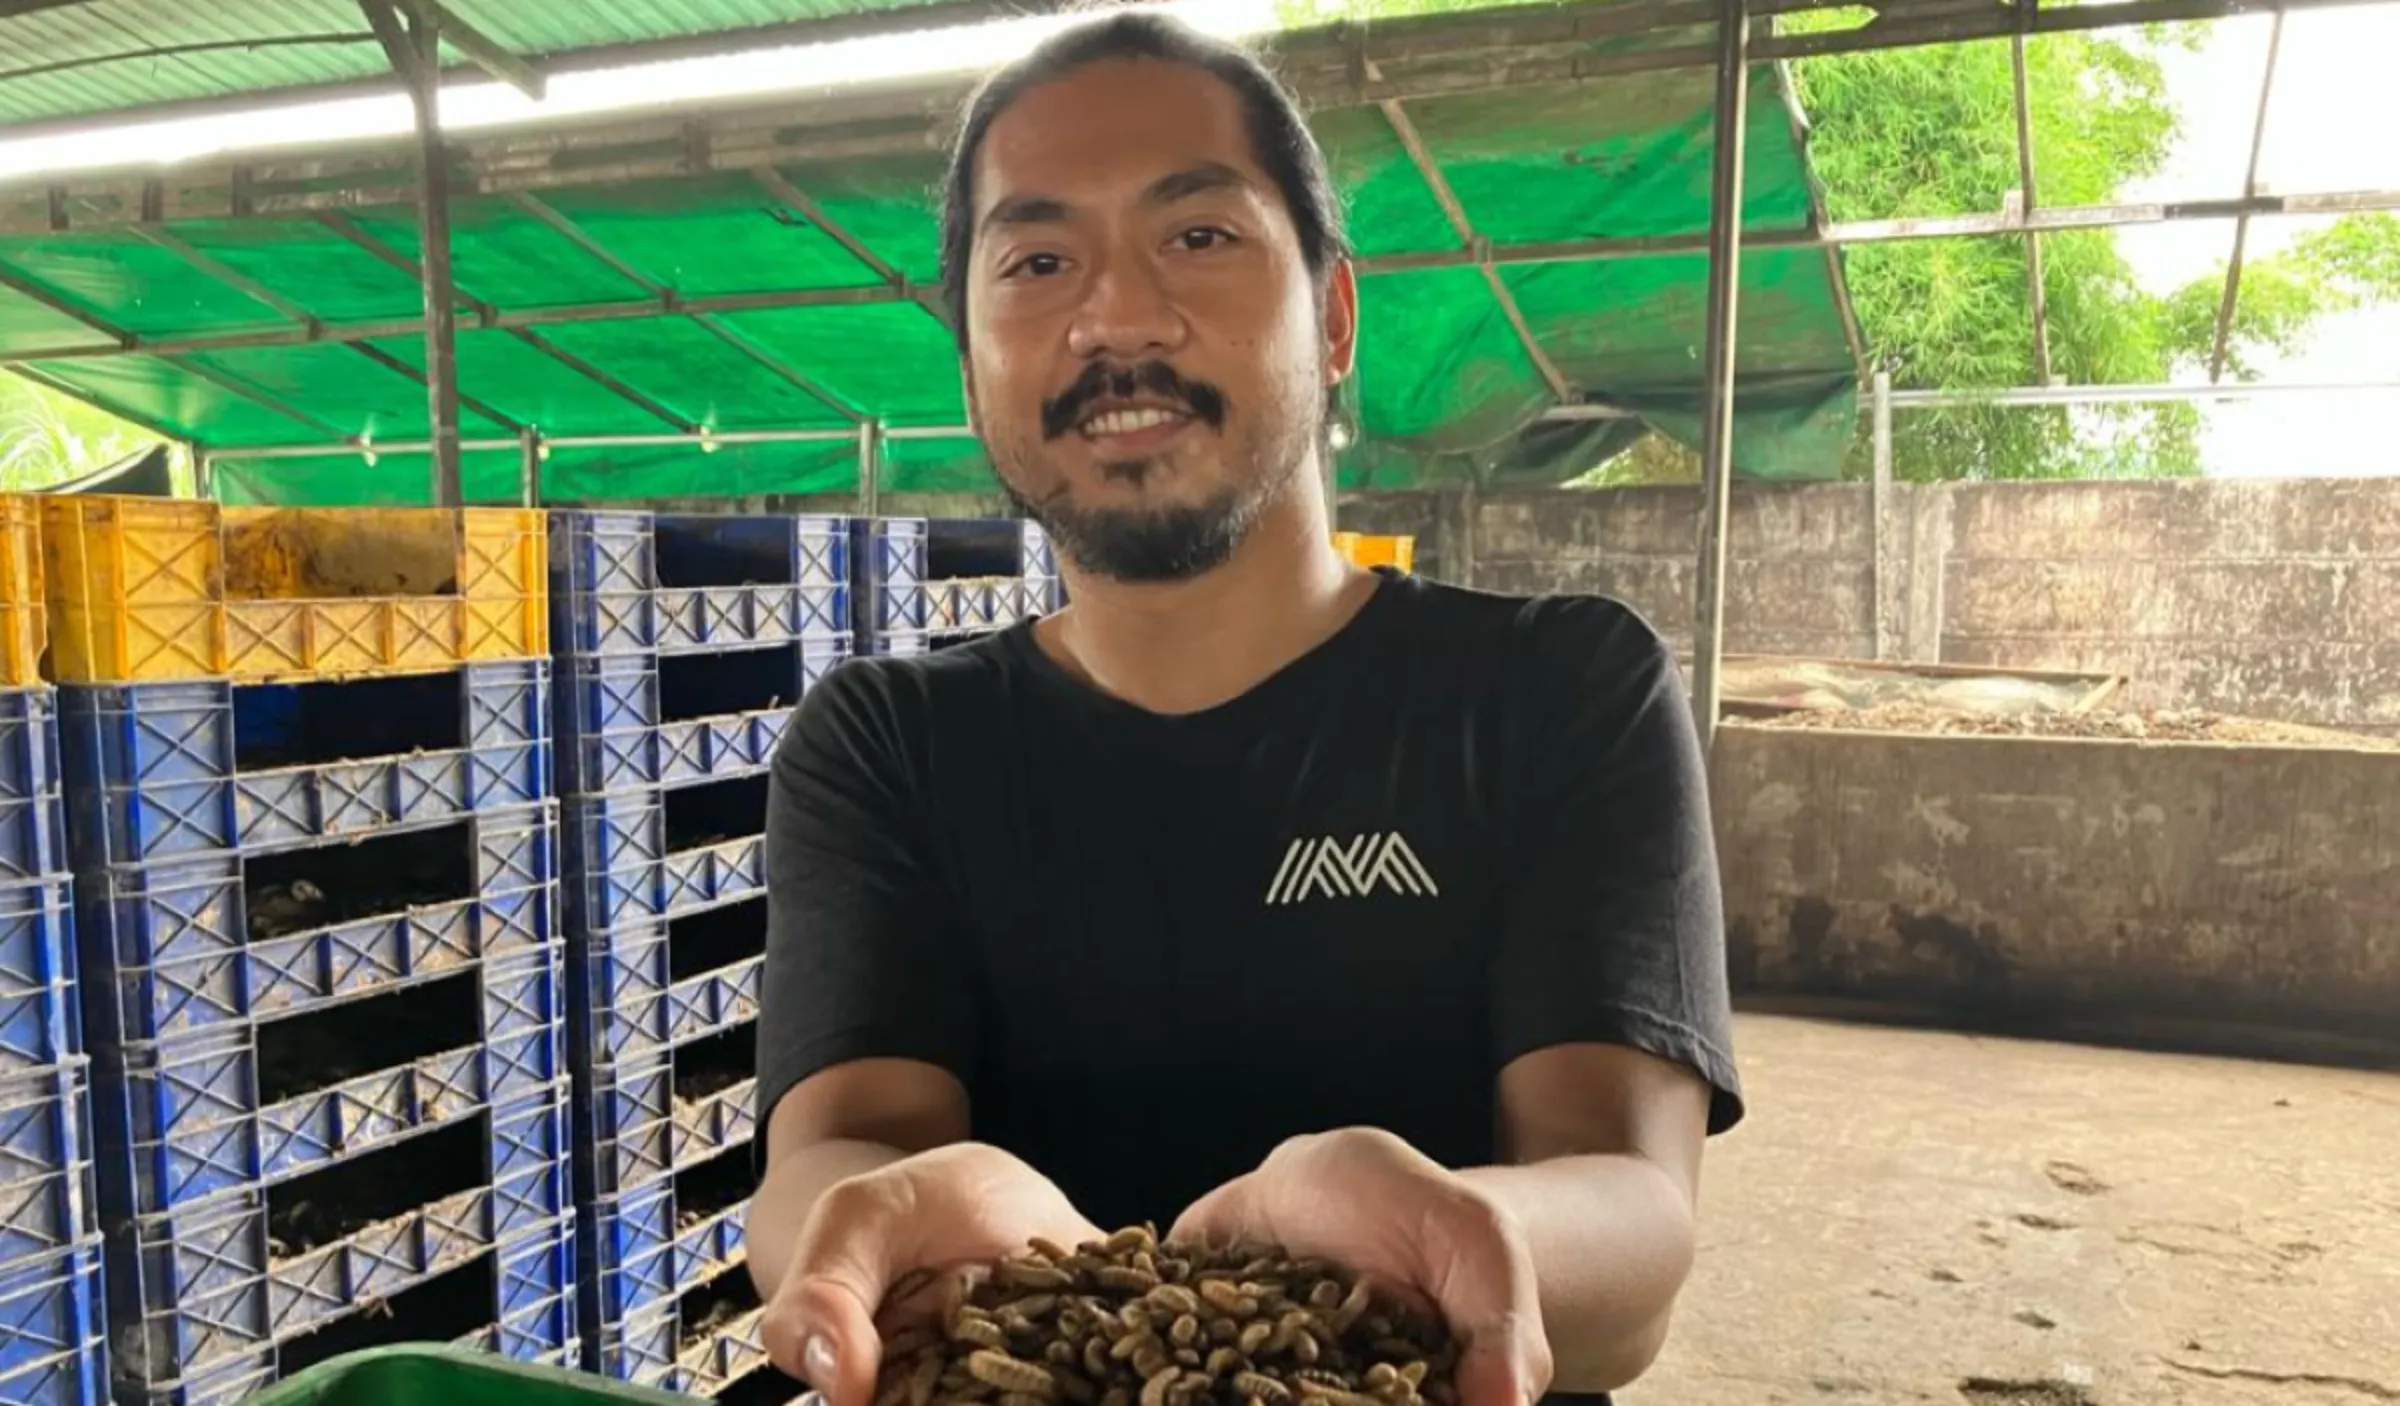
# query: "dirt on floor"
1911 1216
2160 725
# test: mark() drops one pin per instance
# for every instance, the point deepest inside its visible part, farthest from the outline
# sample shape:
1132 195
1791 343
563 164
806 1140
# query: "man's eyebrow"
1194 180
1025 210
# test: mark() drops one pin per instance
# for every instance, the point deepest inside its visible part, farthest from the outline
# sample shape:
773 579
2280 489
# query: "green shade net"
1446 391
567 476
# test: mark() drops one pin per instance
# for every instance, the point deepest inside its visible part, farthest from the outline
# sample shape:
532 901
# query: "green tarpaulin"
1446 386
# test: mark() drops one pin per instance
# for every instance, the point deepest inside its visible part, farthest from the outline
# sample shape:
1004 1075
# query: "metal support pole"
1724 284
870 467
529 467
416 53
2036 286
2221 343
1880 506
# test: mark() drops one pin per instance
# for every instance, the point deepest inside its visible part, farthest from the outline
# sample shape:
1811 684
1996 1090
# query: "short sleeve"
1613 925
862 942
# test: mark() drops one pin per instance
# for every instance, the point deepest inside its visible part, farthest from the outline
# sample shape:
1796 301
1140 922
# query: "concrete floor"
1922 1217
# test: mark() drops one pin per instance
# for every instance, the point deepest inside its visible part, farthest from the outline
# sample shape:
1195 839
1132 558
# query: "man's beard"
1165 543
1146 545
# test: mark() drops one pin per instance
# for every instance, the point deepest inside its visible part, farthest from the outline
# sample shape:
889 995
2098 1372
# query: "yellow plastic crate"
146 589
1364 549
24 619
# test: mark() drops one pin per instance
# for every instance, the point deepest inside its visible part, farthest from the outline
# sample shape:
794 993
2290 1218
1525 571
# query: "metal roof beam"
2221 343
670 300
226 380
1564 251
797 200
1413 142
489 316
309 321
16 282
231 277
481 50
484 408
1422 57
581 238
777 366
589 441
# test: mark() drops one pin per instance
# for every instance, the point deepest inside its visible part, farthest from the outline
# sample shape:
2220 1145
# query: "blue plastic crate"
899 643
893 608
545 1330
649 1350
620 871
53 1338
178 1121
170 940
643 1254
39 1021
46 1193
986 547
537 1330
152 775
804 550
33 837
613 736
1041 554
698 619
621 582
605 551
626 1010
204 1283
78 1378
888 551
642 1131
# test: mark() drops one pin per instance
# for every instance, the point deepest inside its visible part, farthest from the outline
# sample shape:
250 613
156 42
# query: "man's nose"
1126 313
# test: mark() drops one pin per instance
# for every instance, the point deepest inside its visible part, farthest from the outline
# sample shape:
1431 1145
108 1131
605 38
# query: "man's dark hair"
1279 137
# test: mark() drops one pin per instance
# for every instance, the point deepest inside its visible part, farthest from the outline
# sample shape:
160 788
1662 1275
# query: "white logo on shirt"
1335 868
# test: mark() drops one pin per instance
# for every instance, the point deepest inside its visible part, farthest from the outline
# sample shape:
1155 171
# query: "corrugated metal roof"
89 57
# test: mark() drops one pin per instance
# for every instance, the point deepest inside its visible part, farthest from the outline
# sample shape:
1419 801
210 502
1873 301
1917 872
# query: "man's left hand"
1364 1199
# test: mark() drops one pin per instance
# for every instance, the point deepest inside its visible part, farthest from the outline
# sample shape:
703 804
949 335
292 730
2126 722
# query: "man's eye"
1204 237
1038 265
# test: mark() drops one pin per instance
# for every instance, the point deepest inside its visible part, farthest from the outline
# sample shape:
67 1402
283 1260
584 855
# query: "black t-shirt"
1465 827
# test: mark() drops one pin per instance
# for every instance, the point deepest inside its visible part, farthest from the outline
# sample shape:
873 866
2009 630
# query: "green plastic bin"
431 1374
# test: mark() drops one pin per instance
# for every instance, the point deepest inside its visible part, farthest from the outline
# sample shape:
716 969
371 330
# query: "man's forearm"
1612 1244
790 1190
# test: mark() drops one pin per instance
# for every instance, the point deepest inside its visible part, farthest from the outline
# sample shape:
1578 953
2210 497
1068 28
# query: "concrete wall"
2221 897
2279 598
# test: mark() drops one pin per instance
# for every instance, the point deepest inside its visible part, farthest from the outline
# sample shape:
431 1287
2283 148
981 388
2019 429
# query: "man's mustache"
1062 412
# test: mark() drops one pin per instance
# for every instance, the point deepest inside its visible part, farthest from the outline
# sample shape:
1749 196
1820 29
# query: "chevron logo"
1330 867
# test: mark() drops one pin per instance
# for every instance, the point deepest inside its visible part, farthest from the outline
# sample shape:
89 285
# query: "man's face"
1147 357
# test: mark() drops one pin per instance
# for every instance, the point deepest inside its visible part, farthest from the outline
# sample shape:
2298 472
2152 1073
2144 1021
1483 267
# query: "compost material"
2160 725
1130 1321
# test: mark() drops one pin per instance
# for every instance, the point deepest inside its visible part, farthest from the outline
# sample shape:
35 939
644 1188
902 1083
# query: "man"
1252 893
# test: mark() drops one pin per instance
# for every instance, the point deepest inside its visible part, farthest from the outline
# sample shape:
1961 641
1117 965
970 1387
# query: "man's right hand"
954 1206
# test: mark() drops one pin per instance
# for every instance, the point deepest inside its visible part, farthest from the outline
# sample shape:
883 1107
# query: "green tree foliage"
48 438
1932 131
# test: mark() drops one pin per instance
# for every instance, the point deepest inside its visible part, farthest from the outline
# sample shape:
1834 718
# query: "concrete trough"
2225 898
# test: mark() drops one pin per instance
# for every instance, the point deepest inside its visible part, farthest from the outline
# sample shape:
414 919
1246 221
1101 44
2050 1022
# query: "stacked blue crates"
323 982
53 1346
682 644
922 583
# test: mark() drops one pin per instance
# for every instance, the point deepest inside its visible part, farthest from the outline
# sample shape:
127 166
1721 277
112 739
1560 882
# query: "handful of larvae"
1128 1321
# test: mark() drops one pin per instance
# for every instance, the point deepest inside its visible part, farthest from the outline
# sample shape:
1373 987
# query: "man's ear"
1341 322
